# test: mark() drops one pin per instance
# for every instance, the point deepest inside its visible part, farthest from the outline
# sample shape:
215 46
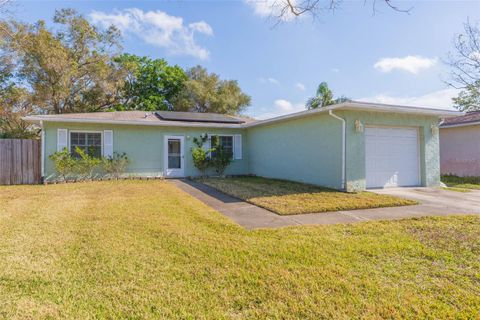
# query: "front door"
174 162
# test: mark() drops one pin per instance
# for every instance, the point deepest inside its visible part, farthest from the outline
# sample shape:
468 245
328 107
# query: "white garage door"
392 157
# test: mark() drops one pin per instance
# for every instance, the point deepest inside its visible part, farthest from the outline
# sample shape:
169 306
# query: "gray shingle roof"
198 117
151 117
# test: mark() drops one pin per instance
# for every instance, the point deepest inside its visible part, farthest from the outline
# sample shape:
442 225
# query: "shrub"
63 162
85 164
221 160
115 165
201 158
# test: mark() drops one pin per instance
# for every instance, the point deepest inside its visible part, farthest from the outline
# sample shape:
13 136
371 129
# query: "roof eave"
465 124
360 106
35 119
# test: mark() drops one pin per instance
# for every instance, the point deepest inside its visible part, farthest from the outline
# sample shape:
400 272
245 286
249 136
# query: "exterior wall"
460 150
306 150
355 153
144 145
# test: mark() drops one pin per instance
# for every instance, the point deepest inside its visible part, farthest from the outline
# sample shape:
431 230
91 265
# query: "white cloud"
283 105
412 64
271 8
280 107
300 86
441 99
273 81
157 28
269 80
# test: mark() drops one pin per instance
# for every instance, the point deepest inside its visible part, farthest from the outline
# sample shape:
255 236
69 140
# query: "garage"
392 157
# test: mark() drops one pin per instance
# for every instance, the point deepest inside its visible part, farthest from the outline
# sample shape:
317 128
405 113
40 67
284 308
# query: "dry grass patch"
287 197
147 250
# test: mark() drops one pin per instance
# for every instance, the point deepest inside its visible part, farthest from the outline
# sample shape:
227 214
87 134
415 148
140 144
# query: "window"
225 141
90 142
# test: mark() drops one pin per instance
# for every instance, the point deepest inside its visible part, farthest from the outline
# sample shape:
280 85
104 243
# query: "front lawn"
147 250
287 197
461 182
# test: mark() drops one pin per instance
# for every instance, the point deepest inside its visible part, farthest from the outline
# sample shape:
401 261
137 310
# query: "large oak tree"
65 70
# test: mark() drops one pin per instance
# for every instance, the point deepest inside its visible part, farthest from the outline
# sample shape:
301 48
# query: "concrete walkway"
433 202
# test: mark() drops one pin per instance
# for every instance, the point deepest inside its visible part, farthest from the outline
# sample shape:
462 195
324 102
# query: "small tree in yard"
63 162
115 165
200 155
85 164
221 158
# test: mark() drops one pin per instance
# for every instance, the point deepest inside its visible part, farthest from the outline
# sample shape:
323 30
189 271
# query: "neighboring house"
351 145
460 145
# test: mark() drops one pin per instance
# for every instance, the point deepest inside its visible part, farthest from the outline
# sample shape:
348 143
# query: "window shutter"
237 147
108 143
62 139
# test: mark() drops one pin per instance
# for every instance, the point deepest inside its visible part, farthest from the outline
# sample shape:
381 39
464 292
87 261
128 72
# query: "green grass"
288 197
147 250
461 182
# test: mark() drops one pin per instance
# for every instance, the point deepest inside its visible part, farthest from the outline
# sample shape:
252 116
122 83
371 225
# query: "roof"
158 118
198 117
191 119
363 106
470 118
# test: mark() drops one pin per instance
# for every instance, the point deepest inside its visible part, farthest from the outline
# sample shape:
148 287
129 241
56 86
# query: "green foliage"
461 182
150 84
200 155
469 98
64 69
85 164
324 97
464 63
204 92
64 163
221 157
81 165
115 165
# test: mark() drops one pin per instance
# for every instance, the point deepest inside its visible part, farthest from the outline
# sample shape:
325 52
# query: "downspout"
344 147
42 154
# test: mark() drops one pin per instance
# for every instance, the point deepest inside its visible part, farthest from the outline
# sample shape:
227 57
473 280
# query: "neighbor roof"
470 118
191 119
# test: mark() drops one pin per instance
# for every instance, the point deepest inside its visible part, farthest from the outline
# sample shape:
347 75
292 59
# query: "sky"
383 56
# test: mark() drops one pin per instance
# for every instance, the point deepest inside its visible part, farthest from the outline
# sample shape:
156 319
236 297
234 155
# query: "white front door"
392 157
174 158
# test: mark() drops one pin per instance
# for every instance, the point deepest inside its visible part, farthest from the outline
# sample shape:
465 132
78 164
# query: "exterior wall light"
358 126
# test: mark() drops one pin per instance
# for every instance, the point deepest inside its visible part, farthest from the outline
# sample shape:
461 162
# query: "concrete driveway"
433 202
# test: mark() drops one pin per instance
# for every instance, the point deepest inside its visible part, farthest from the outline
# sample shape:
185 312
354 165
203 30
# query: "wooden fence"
20 161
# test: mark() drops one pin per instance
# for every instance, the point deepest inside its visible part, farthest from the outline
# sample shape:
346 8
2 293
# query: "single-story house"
350 146
460 145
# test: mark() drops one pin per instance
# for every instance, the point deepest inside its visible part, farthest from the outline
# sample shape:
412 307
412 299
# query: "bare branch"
286 10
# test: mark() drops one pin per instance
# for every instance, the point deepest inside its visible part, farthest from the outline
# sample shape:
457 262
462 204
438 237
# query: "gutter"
344 146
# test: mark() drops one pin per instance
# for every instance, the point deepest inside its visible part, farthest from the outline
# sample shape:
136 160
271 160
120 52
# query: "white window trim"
86 131
223 135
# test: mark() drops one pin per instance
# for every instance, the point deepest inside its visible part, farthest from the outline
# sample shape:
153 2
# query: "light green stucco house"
351 146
